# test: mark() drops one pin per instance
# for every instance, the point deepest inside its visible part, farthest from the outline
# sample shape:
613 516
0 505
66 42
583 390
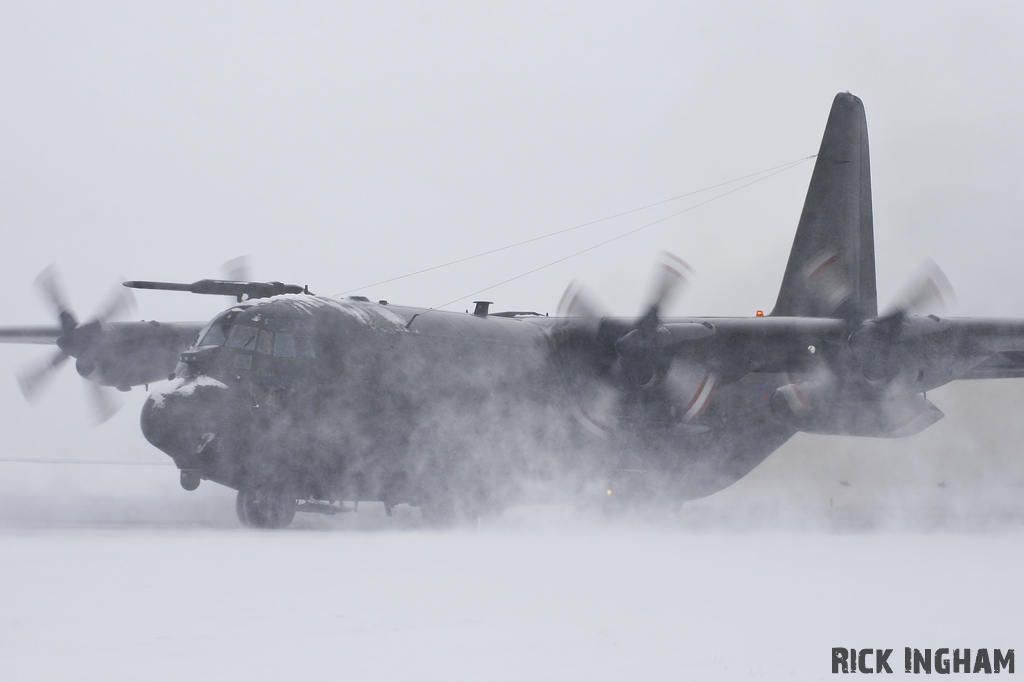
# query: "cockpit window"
265 344
216 333
292 338
283 337
216 336
284 345
293 346
242 337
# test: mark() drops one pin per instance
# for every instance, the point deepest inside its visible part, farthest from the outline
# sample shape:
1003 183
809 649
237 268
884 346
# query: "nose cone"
182 419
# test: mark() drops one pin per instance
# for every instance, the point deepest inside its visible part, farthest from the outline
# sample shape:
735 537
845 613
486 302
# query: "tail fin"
831 269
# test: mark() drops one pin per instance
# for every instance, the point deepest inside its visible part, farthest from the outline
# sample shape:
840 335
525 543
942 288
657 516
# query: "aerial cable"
779 168
630 232
134 463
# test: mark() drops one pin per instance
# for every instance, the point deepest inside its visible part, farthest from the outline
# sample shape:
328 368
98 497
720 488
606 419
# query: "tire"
278 510
265 508
240 508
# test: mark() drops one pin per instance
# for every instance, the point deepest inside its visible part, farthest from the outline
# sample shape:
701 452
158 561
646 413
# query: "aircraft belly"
735 434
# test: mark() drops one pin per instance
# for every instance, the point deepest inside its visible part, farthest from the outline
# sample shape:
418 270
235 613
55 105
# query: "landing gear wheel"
243 517
263 508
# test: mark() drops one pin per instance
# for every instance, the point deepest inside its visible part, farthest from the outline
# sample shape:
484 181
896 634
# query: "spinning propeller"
637 347
81 341
874 343
855 381
636 356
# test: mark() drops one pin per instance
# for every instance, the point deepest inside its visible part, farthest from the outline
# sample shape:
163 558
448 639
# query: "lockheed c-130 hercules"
301 402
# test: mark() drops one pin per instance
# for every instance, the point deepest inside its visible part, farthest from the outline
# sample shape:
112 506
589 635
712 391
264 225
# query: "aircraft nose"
181 419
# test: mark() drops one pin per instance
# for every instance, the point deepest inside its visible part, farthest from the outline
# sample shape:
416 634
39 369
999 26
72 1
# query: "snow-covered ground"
112 572
542 593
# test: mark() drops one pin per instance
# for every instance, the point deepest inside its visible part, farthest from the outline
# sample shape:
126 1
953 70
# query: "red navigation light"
760 313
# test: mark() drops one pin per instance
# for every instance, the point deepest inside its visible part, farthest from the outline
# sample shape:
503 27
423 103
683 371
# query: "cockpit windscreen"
281 337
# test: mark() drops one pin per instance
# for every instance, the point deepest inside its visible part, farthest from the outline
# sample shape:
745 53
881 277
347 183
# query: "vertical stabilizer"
831 269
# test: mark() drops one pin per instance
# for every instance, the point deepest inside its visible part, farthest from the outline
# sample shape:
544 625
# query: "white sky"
340 144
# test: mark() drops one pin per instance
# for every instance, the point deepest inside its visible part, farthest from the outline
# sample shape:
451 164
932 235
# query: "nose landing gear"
263 508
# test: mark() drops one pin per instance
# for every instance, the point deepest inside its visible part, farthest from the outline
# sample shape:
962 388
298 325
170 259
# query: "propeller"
928 290
864 368
577 301
33 378
633 357
238 269
103 401
874 344
48 284
672 277
81 341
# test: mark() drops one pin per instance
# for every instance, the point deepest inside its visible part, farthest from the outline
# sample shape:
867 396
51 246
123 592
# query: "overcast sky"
340 144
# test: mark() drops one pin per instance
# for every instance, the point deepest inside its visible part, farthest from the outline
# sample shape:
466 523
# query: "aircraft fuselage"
338 399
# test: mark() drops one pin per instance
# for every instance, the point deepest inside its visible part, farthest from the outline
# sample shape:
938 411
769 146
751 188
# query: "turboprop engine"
872 383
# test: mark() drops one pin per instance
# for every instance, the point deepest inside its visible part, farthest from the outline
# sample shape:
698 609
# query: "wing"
135 353
740 346
860 380
996 346
934 350
42 335
121 354
1007 365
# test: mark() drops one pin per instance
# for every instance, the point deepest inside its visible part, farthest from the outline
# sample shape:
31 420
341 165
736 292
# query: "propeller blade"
672 277
640 351
827 289
103 403
48 284
690 388
598 413
77 340
119 304
238 269
808 391
33 379
577 301
928 289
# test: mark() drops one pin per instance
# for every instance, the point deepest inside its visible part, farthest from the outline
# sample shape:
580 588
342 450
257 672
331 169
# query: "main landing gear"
263 508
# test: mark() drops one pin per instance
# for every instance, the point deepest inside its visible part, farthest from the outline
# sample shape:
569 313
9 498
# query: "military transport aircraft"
300 402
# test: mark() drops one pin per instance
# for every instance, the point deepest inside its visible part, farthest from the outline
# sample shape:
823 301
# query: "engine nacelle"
886 418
